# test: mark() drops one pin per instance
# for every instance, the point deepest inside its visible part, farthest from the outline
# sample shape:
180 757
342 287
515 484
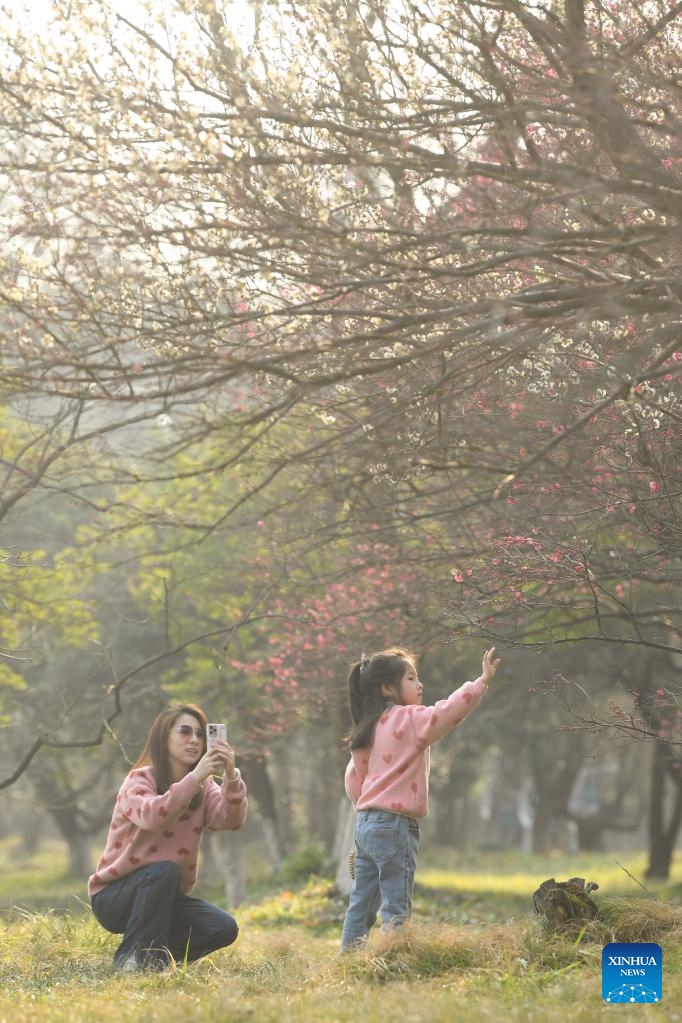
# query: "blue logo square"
631 971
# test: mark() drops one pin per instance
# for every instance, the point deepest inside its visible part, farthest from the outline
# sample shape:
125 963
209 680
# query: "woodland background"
327 326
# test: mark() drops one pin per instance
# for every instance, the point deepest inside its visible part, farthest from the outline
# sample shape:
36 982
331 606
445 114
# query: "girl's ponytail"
365 697
355 701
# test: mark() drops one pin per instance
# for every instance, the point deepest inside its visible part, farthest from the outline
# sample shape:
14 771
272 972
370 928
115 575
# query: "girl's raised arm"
490 666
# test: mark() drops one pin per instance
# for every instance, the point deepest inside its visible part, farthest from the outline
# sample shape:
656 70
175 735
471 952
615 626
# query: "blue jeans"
157 921
385 861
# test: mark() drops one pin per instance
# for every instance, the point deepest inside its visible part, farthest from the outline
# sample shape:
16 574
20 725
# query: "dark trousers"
157 922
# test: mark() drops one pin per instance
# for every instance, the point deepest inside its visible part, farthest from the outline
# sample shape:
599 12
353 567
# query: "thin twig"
635 879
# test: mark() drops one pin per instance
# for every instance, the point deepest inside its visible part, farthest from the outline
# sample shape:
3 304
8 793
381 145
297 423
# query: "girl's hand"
218 760
489 665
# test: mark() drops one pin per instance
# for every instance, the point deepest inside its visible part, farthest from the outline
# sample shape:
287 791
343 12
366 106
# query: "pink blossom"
260 524
654 487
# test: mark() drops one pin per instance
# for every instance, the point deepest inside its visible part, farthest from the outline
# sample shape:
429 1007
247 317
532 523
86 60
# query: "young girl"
141 884
387 779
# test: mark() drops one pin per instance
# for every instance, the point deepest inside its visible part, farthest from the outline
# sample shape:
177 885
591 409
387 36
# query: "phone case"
215 732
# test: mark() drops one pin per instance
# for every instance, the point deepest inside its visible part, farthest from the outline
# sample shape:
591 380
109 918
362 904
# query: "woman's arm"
225 805
140 803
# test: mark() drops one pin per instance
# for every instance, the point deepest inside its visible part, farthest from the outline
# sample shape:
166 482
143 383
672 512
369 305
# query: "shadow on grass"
467 906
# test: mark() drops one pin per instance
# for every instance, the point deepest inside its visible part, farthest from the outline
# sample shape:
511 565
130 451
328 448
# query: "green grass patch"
463 956
56 968
496 885
40 880
316 906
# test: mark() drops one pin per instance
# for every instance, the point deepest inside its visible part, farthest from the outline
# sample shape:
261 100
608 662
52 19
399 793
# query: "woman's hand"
489 665
218 760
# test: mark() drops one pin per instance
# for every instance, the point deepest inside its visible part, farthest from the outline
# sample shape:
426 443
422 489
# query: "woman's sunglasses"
186 730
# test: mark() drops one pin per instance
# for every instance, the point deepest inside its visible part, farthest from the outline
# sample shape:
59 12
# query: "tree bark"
64 811
344 844
590 833
31 829
662 835
80 859
234 868
260 789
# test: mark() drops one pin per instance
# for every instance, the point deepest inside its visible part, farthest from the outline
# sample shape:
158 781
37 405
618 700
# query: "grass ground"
474 951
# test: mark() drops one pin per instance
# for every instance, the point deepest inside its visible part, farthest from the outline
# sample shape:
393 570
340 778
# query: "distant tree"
437 244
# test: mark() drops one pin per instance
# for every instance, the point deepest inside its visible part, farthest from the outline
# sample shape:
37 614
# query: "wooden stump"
565 903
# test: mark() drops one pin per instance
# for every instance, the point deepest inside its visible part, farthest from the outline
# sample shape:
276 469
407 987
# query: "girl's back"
393 773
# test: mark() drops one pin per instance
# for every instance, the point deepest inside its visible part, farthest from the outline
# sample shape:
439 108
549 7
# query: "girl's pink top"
147 827
393 774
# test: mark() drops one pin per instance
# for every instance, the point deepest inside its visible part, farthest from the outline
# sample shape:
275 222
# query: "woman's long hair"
155 752
367 702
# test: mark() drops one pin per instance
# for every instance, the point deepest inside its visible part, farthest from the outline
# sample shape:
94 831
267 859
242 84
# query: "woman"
149 864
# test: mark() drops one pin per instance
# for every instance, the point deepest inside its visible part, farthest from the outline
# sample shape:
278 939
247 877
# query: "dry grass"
286 966
638 920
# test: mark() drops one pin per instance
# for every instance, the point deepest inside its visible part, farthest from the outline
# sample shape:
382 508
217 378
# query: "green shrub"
309 860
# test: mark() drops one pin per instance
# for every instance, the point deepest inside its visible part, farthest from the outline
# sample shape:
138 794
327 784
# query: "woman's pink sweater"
147 827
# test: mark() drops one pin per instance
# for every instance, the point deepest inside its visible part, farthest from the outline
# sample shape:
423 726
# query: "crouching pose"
141 886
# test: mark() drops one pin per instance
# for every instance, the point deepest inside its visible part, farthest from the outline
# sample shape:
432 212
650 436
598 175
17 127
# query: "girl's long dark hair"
155 752
367 702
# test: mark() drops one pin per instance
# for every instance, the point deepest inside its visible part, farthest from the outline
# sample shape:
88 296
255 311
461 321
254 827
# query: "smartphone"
215 732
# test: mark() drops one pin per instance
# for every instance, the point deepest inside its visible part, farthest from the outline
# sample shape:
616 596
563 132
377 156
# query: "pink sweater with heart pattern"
393 774
147 827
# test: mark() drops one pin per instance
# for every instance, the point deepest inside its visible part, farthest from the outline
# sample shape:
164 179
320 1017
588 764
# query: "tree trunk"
30 829
590 834
448 822
80 860
540 830
344 844
211 865
63 808
525 811
273 844
234 868
260 788
462 812
662 837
